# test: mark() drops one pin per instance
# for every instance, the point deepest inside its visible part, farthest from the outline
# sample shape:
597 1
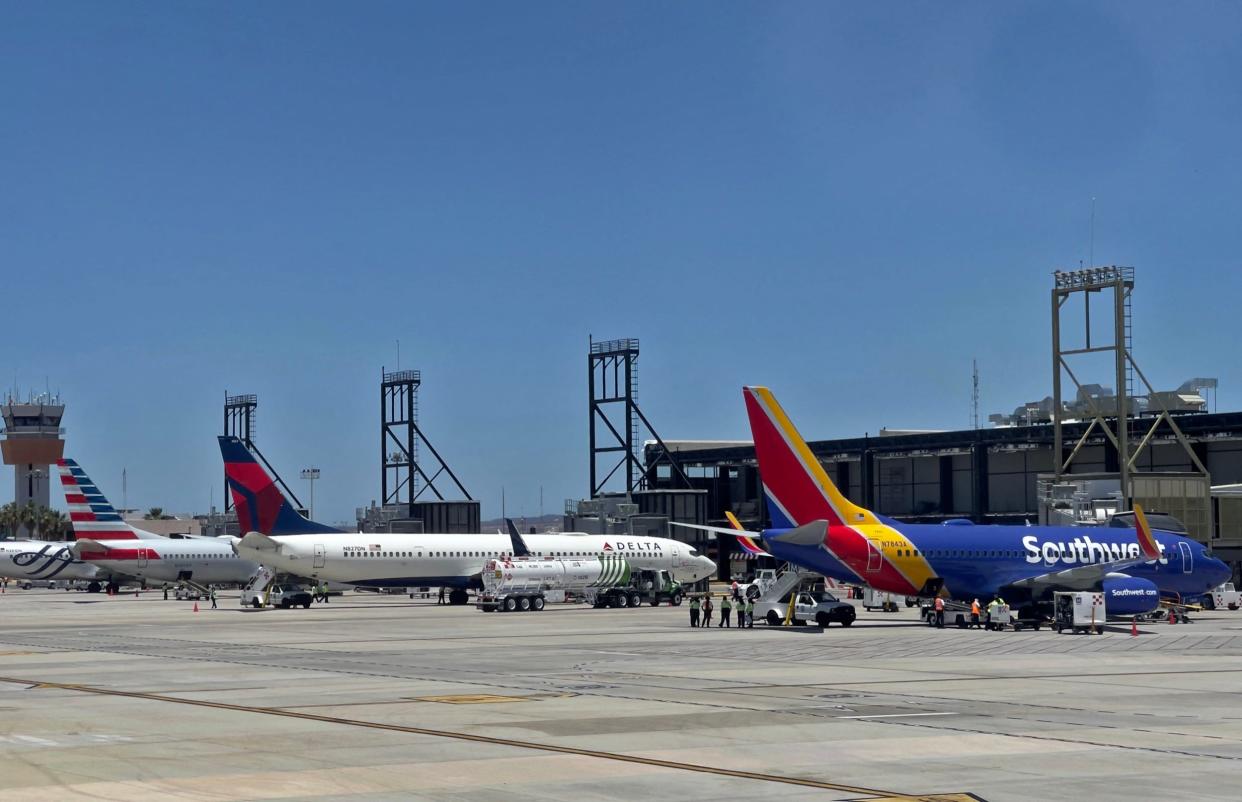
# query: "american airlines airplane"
281 538
121 551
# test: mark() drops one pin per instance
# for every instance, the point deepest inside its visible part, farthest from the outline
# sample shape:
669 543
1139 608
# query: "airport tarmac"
381 697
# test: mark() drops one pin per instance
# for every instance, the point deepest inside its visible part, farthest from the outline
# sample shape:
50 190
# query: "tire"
773 619
636 600
524 604
537 603
823 619
458 597
847 616
510 604
621 600
306 605
285 604
94 587
675 600
26 586
655 601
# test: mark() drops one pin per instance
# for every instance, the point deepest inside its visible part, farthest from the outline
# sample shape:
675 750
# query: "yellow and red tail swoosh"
1147 541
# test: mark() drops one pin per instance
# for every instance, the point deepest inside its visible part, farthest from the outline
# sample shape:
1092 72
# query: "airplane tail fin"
260 505
797 488
90 513
1147 541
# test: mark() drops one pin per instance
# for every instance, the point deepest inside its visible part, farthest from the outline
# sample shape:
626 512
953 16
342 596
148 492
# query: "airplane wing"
720 530
1089 577
1081 577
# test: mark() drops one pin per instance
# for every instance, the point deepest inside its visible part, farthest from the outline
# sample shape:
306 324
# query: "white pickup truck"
811 606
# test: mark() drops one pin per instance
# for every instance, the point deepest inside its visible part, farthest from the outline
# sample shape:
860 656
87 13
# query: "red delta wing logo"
606 546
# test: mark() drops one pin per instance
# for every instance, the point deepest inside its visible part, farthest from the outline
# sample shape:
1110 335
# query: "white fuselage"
201 560
384 560
38 559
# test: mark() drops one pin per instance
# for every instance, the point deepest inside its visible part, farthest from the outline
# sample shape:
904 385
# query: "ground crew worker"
694 611
750 613
993 607
323 591
213 597
707 611
165 591
726 611
939 606
974 613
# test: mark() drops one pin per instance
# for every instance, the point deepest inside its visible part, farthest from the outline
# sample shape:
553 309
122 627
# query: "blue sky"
847 202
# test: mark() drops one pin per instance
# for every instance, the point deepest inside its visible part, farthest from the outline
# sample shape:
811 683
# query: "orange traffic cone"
1172 617
1134 627
196 607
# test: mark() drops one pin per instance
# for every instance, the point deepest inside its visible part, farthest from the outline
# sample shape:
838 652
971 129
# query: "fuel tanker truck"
519 583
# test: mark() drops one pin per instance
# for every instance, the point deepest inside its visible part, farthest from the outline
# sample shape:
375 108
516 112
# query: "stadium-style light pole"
310 475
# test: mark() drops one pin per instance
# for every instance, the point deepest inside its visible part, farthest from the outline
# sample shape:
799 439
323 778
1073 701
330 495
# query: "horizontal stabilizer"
257 541
93 546
811 534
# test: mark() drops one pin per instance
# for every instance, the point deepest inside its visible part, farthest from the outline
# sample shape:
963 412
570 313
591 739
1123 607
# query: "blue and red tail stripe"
90 512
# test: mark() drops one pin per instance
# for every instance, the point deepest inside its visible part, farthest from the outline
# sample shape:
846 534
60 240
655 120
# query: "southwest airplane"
280 537
817 527
29 560
121 551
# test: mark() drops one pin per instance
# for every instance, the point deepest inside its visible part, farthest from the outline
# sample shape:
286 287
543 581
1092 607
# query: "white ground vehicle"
522 583
811 606
877 600
1223 597
1081 611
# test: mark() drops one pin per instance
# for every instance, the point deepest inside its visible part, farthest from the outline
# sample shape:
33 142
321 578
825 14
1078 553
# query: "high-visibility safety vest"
694 604
726 604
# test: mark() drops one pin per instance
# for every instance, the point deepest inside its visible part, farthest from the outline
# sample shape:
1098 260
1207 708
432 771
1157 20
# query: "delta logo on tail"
815 526
260 505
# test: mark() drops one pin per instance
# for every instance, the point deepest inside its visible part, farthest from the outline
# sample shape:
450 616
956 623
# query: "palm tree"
154 514
10 519
28 518
53 525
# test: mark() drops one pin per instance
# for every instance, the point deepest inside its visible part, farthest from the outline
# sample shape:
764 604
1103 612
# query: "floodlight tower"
32 444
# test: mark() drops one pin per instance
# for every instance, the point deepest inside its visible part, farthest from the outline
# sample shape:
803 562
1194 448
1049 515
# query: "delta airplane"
31 560
121 551
279 537
815 526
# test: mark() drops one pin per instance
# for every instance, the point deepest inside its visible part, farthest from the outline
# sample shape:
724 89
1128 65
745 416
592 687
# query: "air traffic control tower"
32 444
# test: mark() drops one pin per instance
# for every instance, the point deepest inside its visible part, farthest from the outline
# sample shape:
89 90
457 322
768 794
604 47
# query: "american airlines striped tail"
92 516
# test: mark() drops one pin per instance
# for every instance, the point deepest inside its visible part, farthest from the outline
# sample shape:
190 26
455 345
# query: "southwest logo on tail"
260 505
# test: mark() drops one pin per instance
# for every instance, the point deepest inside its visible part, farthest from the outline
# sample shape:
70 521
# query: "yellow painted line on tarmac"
869 793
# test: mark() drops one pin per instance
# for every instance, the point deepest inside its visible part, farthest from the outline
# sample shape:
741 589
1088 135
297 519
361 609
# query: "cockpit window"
694 552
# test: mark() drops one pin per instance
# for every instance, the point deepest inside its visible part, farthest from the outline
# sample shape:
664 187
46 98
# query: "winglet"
519 545
743 538
1147 541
